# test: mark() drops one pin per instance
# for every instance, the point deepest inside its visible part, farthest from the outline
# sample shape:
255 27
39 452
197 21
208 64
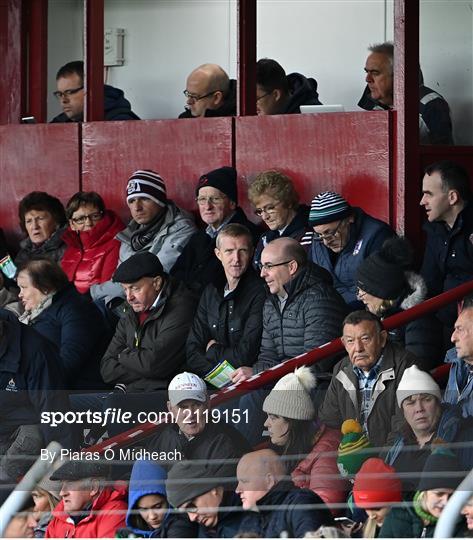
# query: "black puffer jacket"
293 511
146 357
227 109
235 321
303 91
218 440
313 315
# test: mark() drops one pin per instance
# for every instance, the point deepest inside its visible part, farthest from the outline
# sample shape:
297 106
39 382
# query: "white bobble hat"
415 381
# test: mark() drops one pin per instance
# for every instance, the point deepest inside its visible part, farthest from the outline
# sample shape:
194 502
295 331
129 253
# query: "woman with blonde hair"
276 201
418 518
375 489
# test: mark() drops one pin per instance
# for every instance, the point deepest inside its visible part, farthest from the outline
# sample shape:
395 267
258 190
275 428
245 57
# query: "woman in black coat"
55 309
388 285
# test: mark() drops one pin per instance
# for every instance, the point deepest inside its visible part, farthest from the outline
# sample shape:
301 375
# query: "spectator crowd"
110 323
154 316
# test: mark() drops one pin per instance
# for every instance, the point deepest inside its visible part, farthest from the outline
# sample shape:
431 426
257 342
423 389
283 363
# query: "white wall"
65 42
326 39
446 56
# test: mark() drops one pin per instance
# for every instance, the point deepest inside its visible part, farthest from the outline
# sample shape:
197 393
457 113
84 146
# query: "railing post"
38 60
246 57
93 43
406 159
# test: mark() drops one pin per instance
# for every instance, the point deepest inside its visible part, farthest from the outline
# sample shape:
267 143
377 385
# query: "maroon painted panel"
38 64
179 150
36 157
11 66
344 152
93 40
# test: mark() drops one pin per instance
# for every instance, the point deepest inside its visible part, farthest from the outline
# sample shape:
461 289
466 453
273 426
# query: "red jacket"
91 256
107 514
319 471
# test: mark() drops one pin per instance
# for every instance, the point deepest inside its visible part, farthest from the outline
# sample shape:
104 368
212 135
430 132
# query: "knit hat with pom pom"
352 450
290 397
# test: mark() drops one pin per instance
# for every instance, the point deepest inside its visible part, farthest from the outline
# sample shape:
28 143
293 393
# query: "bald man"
303 311
261 484
209 92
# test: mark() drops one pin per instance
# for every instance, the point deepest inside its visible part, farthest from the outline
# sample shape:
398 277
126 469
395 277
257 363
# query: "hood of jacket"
418 292
369 104
147 478
114 98
303 91
104 231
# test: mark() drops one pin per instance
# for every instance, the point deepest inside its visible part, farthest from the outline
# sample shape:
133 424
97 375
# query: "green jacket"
403 522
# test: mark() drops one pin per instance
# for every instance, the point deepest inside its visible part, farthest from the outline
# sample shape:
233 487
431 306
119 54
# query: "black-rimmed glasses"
67 93
269 266
195 97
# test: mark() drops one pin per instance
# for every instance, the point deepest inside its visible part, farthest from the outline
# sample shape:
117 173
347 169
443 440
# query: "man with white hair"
435 125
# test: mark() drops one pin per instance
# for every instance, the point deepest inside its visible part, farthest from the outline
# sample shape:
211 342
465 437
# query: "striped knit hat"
353 449
148 184
327 207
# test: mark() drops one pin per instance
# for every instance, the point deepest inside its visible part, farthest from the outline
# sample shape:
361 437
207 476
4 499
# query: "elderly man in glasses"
70 93
216 196
209 92
341 238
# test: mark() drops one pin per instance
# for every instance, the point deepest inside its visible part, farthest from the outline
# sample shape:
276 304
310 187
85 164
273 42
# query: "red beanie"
376 485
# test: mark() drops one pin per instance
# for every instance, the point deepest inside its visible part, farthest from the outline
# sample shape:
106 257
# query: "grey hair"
386 48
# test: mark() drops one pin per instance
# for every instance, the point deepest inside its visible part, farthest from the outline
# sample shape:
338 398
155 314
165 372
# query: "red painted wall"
346 152
343 152
36 157
179 150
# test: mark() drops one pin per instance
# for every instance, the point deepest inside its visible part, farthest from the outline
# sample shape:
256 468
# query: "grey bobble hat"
327 207
290 397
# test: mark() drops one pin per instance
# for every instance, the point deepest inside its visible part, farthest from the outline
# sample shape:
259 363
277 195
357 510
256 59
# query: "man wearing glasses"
70 94
209 92
341 238
217 201
278 93
303 311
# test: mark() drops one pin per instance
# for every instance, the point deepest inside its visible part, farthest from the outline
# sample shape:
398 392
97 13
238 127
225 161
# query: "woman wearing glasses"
277 203
91 254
